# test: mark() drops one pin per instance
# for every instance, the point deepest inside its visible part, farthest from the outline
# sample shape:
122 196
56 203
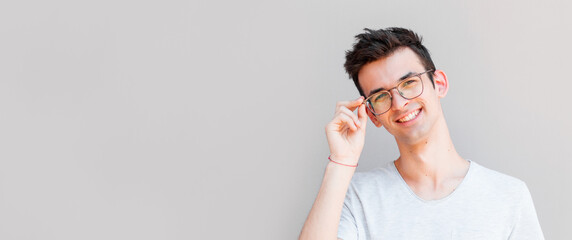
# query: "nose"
398 101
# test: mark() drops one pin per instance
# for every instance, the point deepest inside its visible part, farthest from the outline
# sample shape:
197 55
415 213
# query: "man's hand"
346 132
346 135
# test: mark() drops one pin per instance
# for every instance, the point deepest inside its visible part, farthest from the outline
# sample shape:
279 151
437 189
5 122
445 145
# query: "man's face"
412 120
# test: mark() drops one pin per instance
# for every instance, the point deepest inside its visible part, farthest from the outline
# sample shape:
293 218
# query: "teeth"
409 116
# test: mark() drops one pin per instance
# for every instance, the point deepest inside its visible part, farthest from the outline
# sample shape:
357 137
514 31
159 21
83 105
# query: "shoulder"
372 186
506 195
497 183
384 170
383 176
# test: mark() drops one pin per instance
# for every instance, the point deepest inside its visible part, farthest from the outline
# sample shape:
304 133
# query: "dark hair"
376 44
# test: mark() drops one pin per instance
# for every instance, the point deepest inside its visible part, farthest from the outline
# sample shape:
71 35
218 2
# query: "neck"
431 160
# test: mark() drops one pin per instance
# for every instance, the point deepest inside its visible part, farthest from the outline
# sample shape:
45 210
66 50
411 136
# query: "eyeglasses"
410 88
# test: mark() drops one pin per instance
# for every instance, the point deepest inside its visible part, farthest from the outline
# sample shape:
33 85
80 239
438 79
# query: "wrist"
343 162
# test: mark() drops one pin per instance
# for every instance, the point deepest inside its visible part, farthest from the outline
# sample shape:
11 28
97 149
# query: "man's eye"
381 97
409 82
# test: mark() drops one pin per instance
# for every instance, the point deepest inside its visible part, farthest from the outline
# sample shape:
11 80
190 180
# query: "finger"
362 115
359 99
345 103
351 105
355 103
351 114
347 121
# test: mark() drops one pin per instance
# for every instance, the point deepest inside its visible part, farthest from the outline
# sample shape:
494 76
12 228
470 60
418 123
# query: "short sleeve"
527 225
347 230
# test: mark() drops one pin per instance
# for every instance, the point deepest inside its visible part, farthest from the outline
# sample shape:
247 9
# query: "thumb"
362 115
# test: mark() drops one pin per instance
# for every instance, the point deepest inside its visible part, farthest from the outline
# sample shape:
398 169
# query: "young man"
429 192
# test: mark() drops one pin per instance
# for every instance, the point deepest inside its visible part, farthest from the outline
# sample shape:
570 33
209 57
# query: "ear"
441 83
373 118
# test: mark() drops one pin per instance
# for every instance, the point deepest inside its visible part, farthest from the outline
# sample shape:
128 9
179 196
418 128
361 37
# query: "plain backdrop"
205 120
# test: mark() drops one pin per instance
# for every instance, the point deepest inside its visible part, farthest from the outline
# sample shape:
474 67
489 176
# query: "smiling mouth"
409 117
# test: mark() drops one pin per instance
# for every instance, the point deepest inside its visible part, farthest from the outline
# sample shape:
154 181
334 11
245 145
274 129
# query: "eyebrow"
407 75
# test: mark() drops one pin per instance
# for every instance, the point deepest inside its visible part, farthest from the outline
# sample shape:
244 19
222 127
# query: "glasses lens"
380 102
411 88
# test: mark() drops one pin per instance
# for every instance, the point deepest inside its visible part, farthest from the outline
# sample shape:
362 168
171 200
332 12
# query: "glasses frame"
368 103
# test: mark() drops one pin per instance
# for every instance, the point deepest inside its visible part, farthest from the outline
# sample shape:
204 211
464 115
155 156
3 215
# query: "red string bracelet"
341 163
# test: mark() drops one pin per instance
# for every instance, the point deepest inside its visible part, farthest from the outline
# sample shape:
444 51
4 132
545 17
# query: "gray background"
205 120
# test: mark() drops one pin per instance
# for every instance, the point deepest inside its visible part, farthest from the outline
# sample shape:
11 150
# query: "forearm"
324 218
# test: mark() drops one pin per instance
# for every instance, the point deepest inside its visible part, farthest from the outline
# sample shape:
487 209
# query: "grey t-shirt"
486 205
